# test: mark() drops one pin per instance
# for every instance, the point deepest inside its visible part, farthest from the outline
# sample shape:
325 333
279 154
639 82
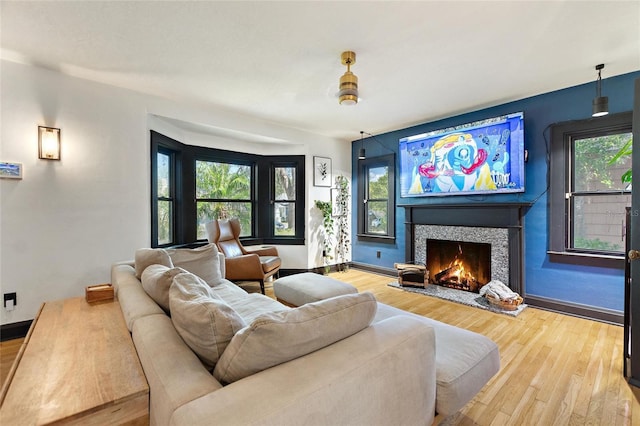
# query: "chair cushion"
204 322
278 337
269 263
201 261
148 256
156 281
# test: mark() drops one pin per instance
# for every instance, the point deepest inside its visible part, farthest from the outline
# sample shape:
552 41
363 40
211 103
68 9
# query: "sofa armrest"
223 268
134 301
383 375
174 373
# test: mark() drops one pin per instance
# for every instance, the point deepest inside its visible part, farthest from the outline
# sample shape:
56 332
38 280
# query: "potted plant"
327 232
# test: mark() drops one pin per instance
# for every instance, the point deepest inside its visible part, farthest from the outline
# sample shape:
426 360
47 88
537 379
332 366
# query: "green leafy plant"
327 231
596 244
622 153
343 242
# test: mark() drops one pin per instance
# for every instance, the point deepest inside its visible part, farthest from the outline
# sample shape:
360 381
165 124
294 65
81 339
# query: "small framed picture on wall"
321 171
10 170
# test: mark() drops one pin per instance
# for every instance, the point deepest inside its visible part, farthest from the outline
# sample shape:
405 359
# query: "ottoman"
298 289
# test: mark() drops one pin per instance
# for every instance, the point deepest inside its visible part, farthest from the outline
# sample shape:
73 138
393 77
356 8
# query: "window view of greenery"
377 200
223 191
285 196
599 195
165 201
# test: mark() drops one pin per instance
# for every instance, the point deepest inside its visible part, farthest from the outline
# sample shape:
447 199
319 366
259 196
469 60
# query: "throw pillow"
278 337
156 281
206 324
201 261
147 256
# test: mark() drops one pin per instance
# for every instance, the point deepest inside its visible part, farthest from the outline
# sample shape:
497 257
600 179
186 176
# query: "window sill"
372 238
282 241
587 259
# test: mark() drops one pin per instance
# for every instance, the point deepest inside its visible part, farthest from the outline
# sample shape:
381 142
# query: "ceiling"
280 61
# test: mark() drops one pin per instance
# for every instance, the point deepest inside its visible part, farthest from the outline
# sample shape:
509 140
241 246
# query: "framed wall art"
321 171
10 170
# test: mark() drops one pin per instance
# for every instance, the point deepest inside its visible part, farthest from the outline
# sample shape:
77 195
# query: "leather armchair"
241 264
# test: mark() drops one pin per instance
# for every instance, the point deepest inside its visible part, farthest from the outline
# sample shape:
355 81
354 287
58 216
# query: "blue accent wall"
592 286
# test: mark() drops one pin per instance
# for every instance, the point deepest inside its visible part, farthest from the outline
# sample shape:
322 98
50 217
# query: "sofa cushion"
465 360
256 304
229 292
206 323
147 256
298 289
156 281
201 261
278 337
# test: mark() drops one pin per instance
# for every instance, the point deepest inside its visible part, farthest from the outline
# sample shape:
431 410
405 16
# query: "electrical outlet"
10 301
378 254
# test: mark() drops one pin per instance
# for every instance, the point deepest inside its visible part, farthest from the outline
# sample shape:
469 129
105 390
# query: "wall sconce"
48 143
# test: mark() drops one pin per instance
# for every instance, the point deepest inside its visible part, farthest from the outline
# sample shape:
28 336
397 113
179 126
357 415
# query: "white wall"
65 222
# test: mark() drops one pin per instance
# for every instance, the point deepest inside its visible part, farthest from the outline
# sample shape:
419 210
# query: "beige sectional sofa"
389 367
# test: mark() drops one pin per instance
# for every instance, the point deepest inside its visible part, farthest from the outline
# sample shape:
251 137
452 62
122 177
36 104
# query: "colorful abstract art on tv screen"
483 157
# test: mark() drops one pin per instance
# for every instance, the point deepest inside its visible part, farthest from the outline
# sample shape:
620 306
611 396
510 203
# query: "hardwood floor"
555 369
8 352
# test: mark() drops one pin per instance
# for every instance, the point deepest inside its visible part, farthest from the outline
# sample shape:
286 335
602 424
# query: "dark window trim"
363 166
267 166
230 157
185 212
562 135
165 145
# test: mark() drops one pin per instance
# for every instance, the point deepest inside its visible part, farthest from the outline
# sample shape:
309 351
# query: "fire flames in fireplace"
457 276
456 264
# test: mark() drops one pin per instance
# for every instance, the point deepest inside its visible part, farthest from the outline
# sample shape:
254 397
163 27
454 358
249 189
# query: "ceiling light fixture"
600 103
361 153
348 94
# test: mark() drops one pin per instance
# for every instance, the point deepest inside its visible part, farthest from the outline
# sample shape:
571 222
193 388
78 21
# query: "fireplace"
499 225
458 264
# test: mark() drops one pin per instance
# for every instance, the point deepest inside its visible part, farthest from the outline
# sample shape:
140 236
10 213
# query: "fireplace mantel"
502 215
482 215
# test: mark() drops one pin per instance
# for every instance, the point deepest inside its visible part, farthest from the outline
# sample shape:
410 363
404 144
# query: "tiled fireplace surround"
501 225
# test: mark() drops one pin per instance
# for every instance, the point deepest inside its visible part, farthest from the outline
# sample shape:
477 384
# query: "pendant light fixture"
361 153
600 103
348 94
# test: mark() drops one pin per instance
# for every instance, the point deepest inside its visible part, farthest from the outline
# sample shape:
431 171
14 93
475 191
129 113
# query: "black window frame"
185 213
363 189
269 164
560 183
167 146
229 157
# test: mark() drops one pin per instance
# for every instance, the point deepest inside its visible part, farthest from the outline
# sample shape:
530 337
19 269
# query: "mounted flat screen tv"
483 157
